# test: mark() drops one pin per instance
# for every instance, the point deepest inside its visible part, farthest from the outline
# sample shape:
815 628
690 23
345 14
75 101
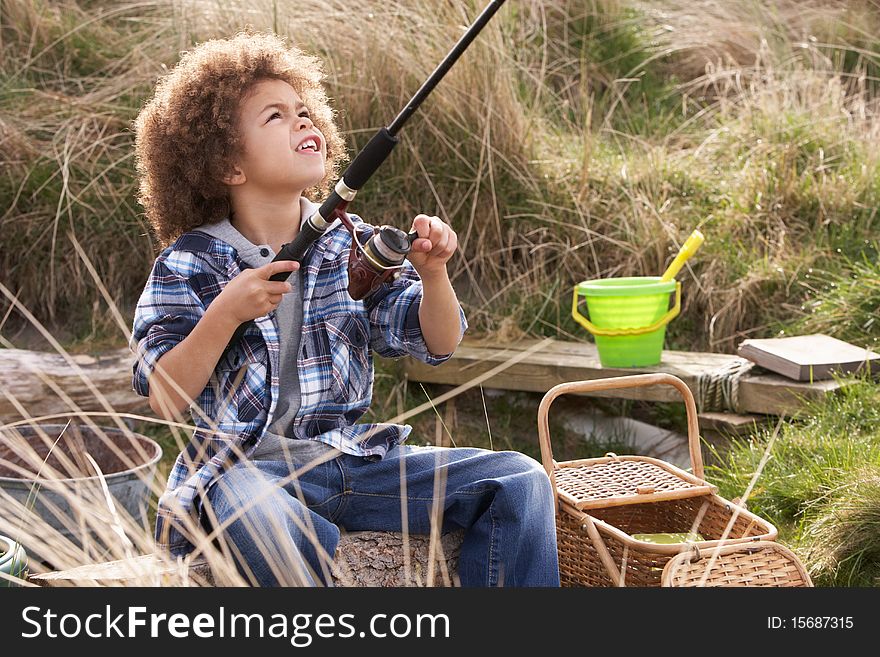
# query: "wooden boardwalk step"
362 559
559 361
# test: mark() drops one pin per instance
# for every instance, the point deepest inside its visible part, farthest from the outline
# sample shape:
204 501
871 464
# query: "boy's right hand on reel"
251 294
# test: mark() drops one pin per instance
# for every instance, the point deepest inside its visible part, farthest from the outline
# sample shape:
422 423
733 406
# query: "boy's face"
282 151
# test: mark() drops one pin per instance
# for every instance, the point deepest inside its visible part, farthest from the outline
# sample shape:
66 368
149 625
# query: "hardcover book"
809 357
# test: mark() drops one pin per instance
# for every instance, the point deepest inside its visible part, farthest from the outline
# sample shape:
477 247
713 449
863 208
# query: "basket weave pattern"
760 564
583 480
579 563
643 561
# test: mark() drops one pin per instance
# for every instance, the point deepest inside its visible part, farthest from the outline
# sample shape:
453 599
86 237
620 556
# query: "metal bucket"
51 487
13 562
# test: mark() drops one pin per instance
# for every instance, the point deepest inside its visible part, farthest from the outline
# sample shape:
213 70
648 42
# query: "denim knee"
241 490
277 539
526 474
246 504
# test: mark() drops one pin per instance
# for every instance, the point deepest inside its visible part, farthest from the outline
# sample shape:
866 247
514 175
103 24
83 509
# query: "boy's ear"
235 177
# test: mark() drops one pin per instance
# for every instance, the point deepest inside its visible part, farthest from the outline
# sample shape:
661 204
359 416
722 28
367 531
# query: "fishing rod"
376 260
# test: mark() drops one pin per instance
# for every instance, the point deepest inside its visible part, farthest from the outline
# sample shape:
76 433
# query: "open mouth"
309 145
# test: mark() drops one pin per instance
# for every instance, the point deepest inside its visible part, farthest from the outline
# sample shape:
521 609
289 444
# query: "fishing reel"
377 259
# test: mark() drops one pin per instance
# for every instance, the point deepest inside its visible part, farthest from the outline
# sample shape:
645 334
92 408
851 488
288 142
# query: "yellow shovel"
687 249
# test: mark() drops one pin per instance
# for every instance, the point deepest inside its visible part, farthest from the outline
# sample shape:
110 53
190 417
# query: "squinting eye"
274 114
304 115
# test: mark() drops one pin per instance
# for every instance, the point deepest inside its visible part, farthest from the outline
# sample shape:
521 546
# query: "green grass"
813 465
842 544
846 303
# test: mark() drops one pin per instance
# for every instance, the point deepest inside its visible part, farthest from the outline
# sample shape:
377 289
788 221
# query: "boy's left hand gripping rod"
369 159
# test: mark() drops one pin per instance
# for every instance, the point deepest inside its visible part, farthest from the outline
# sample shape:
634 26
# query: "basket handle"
613 383
616 574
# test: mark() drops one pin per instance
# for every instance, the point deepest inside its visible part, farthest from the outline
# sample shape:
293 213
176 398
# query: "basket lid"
762 563
618 480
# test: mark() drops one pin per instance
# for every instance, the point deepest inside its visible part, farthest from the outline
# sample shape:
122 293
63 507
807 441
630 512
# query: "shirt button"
264 252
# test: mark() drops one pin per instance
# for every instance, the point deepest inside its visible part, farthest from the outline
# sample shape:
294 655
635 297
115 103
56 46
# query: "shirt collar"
255 255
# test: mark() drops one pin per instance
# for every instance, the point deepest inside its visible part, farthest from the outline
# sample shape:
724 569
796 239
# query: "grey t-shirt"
277 442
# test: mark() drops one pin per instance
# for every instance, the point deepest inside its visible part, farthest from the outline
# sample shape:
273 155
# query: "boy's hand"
434 247
251 294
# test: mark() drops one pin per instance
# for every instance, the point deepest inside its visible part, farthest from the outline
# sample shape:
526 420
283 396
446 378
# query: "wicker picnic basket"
764 563
602 502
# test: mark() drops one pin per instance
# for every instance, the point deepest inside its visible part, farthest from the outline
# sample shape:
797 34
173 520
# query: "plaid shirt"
334 362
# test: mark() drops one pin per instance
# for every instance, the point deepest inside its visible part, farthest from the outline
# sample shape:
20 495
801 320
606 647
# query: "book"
809 357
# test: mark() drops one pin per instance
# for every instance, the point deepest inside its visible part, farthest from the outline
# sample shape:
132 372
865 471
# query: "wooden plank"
734 424
363 558
560 362
774 394
143 570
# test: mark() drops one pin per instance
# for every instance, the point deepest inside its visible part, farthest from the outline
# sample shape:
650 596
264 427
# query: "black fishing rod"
373 262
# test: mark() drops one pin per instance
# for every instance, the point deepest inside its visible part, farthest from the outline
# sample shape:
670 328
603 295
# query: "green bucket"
628 317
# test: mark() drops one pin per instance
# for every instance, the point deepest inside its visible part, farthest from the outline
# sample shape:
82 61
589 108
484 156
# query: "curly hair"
186 135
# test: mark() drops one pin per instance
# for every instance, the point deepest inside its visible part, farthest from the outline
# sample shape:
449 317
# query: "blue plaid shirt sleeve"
395 329
166 313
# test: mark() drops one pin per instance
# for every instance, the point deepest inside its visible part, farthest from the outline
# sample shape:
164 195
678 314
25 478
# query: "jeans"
283 530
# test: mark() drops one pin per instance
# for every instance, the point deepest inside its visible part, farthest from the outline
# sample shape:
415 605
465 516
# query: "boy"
233 139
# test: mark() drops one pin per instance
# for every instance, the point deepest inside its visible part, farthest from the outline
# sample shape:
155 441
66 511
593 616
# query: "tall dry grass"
573 140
